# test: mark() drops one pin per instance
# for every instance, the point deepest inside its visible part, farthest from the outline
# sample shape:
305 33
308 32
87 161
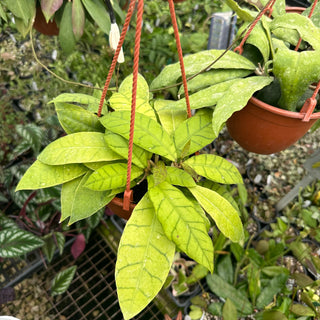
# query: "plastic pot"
116 206
264 129
41 25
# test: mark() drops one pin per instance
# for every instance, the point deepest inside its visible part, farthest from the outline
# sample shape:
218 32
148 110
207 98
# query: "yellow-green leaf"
179 177
41 175
214 168
144 259
78 147
148 134
76 119
78 202
182 223
111 176
222 212
197 130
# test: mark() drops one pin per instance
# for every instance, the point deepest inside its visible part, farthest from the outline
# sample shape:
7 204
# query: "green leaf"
179 177
91 102
194 63
315 18
204 98
111 176
49 7
78 147
213 77
40 175
236 98
222 212
229 311
225 269
99 14
20 9
225 290
273 315
214 168
62 281
306 29
274 287
254 282
295 71
197 130
49 247
182 223
16 242
78 202
66 37
119 145
32 135
144 259
142 87
78 18
159 172
148 134
7 223
76 119
243 13
301 310
60 239
3 14
170 119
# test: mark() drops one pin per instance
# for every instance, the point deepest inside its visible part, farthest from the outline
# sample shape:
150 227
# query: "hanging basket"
264 129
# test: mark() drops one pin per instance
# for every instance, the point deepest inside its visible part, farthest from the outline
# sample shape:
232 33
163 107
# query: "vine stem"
54 74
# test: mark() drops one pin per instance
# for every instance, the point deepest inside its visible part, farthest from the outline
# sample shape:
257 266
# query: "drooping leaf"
144 259
197 130
229 310
78 147
236 98
119 145
78 245
295 71
76 119
78 18
148 134
225 290
91 102
98 13
214 168
66 36
194 63
49 7
49 247
170 119
16 242
179 177
40 175
20 9
222 212
62 281
306 29
78 202
276 284
182 223
243 13
3 14
111 176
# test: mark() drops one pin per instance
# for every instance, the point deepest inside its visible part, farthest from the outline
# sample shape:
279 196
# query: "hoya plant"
184 195
272 69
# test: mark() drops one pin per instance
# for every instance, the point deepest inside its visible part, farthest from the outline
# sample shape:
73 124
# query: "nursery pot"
264 129
41 25
116 206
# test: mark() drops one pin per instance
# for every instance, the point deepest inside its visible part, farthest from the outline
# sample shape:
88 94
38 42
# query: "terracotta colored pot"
116 206
41 25
264 129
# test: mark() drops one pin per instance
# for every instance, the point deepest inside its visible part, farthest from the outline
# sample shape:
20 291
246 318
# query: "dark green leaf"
60 241
66 36
225 269
229 311
78 18
15 242
49 247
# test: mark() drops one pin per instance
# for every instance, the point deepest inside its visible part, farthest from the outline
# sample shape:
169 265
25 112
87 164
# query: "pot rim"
282 112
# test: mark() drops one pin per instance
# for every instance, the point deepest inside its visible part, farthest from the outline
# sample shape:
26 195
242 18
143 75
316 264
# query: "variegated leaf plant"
271 69
185 189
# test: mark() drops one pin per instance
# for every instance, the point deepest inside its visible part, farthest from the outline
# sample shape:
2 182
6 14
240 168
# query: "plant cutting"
281 68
